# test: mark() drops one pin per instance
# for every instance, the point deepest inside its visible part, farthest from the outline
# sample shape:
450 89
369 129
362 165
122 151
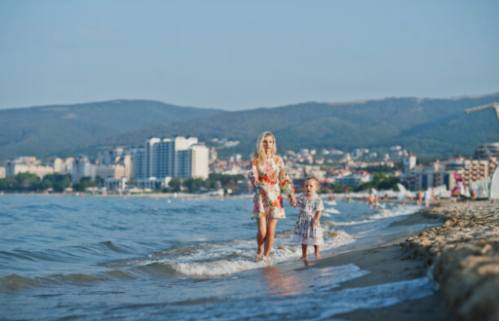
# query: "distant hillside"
430 127
66 129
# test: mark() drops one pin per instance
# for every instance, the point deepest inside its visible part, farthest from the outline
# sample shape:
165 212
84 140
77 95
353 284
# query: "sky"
238 54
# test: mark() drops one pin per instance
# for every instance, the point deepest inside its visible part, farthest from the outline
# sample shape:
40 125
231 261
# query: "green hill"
428 127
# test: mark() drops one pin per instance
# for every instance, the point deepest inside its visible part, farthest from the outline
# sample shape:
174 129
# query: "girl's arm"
318 210
317 218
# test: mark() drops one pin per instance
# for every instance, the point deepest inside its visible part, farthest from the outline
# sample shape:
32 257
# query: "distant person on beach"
270 182
373 199
419 198
428 197
308 229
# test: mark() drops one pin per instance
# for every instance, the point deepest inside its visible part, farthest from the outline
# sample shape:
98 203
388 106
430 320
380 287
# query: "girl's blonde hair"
260 152
315 180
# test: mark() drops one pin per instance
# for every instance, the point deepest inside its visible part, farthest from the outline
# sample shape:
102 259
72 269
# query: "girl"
270 181
308 230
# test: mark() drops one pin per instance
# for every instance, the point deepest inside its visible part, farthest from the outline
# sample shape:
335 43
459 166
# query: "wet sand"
388 263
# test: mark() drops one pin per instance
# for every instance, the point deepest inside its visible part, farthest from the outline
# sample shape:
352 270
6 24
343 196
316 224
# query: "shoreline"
386 264
463 254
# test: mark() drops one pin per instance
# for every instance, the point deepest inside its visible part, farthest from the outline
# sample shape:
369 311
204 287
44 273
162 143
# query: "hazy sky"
243 54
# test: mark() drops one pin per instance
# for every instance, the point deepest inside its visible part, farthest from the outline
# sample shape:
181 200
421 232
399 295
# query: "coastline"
389 263
385 265
463 254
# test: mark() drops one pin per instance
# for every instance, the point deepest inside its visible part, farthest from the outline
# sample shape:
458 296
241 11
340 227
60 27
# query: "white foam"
331 210
243 257
395 211
377 296
383 213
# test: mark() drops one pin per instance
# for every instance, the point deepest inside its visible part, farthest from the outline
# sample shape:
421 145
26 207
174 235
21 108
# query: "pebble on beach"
464 256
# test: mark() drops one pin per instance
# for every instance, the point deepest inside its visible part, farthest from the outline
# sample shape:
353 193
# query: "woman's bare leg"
271 225
304 251
261 235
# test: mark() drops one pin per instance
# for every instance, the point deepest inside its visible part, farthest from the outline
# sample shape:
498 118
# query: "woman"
270 181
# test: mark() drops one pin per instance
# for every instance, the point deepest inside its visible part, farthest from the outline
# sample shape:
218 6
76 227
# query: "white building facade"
179 157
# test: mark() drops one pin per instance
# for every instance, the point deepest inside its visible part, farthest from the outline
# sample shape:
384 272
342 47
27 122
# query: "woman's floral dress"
271 182
305 231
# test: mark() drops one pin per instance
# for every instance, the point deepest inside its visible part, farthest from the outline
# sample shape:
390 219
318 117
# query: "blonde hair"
315 180
260 152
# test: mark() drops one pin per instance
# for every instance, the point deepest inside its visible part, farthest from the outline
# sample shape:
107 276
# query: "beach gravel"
464 256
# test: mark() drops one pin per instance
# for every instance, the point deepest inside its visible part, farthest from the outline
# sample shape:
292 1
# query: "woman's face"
268 144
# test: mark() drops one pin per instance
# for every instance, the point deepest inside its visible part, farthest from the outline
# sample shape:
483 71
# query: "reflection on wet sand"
282 282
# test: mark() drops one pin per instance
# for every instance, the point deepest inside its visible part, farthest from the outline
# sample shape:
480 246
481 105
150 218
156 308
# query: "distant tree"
380 181
83 183
58 182
7 184
27 182
338 188
174 185
99 181
194 185
216 181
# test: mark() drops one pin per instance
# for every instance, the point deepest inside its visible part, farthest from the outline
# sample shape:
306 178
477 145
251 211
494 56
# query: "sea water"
143 258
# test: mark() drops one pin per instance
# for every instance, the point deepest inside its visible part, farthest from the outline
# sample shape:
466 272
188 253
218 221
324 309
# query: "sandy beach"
461 254
386 263
464 256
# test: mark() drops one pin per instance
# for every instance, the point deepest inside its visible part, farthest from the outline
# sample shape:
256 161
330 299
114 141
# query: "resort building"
83 168
475 170
27 164
179 157
63 166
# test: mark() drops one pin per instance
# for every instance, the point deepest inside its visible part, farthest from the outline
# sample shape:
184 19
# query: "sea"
167 258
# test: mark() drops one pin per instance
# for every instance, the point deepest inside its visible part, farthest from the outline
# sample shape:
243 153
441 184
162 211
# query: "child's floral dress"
271 183
306 232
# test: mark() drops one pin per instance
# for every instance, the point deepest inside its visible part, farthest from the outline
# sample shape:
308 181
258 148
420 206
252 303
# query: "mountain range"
426 126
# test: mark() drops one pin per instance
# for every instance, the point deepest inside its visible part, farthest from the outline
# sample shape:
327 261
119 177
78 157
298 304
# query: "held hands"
316 221
292 200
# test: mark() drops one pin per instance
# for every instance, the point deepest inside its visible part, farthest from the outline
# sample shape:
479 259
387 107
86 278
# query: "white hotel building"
178 157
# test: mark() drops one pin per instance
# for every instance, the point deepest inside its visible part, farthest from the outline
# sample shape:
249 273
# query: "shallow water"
104 258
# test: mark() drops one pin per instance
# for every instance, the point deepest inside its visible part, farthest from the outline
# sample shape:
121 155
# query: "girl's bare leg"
304 254
261 235
271 224
317 252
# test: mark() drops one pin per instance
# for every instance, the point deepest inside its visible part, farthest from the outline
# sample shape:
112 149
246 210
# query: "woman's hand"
292 200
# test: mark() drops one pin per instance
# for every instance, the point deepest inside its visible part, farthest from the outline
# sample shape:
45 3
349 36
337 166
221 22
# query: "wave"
63 255
383 213
211 259
218 259
199 260
332 210
16 282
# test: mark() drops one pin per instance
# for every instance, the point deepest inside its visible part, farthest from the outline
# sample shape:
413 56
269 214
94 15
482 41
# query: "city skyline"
236 56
